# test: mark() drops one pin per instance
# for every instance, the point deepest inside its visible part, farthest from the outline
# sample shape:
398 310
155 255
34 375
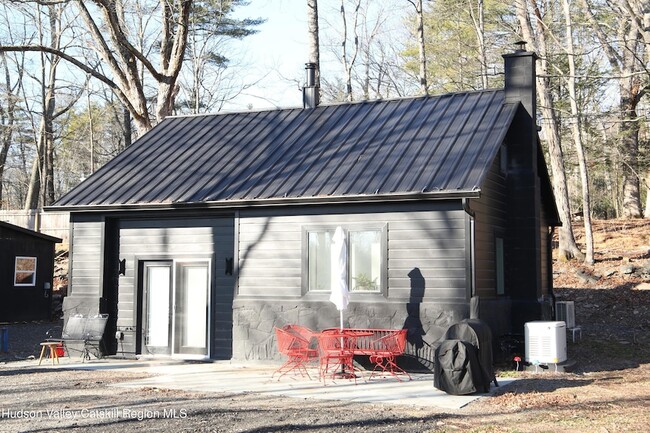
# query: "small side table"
52 346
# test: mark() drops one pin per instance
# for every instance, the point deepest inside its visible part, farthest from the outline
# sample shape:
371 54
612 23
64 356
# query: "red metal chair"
386 349
301 331
336 350
297 351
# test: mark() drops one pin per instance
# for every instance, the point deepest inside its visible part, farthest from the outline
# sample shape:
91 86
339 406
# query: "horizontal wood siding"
86 259
199 238
426 238
491 221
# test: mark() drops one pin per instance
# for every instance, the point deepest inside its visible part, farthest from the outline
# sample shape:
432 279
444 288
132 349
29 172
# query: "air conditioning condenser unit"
565 311
545 342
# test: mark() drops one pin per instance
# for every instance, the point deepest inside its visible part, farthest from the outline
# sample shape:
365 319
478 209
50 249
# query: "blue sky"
277 54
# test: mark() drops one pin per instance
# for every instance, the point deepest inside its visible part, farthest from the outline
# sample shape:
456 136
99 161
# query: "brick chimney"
310 93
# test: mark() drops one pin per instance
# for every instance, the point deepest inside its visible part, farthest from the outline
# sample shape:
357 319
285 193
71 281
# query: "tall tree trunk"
576 130
41 185
627 63
629 136
126 125
424 87
568 248
7 120
478 19
312 34
348 64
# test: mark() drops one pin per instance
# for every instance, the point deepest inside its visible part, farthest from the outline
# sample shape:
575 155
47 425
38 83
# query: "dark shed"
26 272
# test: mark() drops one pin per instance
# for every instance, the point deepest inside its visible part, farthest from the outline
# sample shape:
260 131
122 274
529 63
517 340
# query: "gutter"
471 258
278 202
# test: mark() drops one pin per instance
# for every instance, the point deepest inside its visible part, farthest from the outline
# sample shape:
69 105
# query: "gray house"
211 230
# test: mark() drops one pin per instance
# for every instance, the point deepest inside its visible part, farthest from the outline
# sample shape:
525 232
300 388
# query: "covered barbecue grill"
464 359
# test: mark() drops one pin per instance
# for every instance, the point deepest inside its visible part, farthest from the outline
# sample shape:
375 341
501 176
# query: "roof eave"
282 201
30 232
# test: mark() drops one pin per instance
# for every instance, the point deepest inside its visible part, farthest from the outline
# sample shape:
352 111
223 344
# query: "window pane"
365 261
194 305
319 257
158 293
500 272
25 271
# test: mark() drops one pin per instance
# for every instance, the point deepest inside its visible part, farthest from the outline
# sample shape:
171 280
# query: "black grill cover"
458 369
478 333
464 359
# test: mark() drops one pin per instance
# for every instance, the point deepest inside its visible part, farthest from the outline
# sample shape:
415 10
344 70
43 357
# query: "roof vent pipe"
310 91
521 46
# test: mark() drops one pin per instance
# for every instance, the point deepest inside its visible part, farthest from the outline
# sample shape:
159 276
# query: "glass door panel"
191 314
157 315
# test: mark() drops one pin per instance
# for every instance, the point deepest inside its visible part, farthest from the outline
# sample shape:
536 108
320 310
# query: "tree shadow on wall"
419 355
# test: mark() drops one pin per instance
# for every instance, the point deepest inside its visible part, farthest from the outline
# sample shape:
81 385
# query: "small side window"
25 271
500 268
503 159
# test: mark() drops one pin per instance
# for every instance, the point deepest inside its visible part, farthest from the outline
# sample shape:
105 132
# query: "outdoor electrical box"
545 342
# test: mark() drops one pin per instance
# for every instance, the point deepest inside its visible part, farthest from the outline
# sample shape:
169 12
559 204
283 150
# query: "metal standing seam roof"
426 145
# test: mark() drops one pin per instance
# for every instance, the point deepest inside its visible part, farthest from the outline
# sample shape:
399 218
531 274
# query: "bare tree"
42 177
8 108
211 78
567 247
313 37
109 37
576 130
625 53
348 59
419 11
478 19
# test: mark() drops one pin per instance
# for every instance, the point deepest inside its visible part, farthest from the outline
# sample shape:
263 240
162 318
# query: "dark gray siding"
491 221
85 272
433 241
172 239
425 276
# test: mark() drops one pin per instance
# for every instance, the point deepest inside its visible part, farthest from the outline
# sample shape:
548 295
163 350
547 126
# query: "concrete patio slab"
228 377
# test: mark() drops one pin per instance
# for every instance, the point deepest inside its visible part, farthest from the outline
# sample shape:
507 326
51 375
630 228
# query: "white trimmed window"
365 259
25 271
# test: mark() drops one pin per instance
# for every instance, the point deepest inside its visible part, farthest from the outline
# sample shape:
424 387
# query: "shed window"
25 271
365 259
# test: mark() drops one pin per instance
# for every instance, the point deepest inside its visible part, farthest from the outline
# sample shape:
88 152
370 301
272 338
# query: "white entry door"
176 298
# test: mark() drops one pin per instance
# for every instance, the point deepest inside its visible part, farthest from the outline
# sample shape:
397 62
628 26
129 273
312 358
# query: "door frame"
175 262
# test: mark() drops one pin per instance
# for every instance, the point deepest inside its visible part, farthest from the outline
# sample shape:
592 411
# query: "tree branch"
62 55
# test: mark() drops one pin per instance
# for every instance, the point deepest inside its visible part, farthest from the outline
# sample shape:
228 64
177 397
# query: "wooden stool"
53 346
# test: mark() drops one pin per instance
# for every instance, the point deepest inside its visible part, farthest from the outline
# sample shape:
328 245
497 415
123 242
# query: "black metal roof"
436 145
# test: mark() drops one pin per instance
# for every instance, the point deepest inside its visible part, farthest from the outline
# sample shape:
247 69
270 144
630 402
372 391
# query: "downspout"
474 304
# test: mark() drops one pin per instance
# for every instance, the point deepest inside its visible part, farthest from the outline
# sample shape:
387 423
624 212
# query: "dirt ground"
608 390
